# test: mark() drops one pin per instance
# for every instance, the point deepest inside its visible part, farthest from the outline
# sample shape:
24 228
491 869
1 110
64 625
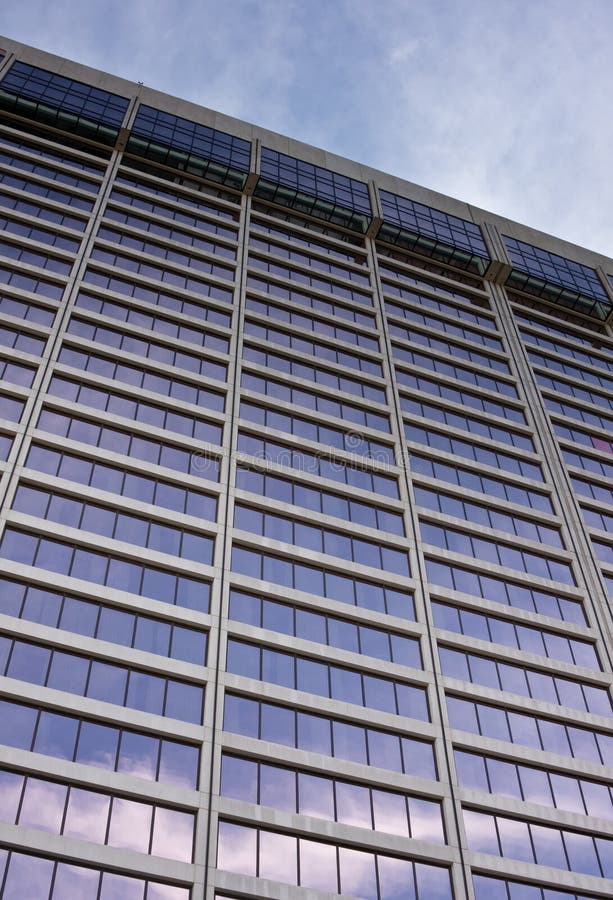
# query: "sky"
503 103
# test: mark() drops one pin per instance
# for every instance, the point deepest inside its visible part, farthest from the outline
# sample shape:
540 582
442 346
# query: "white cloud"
505 105
402 53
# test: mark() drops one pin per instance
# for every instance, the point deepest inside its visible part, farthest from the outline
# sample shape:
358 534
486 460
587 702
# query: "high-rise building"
306 520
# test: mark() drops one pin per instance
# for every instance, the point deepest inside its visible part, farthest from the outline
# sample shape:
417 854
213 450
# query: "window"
310 625
331 798
322 582
323 866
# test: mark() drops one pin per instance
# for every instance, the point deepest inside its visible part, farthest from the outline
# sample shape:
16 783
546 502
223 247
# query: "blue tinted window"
187 145
388 751
556 278
314 734
179 764
278 725
97 745
425 229
314 189
241 716
138 754
77 106
56 735
29 663
28 876
18 724
68 673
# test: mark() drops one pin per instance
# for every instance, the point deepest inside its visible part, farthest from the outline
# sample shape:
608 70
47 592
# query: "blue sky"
503 103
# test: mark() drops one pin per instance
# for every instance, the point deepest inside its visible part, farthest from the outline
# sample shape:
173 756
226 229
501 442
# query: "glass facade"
189 146
554 277
432 232
306 535
314 190
64 102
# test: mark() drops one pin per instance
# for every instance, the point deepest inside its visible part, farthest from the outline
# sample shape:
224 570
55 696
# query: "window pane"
412 702
97 745
481 832
138 755
28 876
567 793
396 881
146 692
503 778
471 770
312 677
107 682
40 606
535 785
384 750
318 866
433 882
179 764
493 722
173 834
29 663
353 805
379 693
604 846
357 871
17 724
277 787
426 820
462 715
183 701
316 796
239 779
130 825
166 892
349 742
419 758
121 887
346 685
278 668
278 857
548 846
524 730
68 673
390 813
11 786
79 616
277 617
489 888
87 815
581 853
314 733
56 735
116 626
241 716
236 848
75 882
43 805
515 839
278 725
150 635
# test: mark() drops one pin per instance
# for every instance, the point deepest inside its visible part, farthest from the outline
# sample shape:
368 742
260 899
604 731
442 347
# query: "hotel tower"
306 520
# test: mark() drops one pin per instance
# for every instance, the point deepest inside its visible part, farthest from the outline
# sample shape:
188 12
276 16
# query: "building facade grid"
306 533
